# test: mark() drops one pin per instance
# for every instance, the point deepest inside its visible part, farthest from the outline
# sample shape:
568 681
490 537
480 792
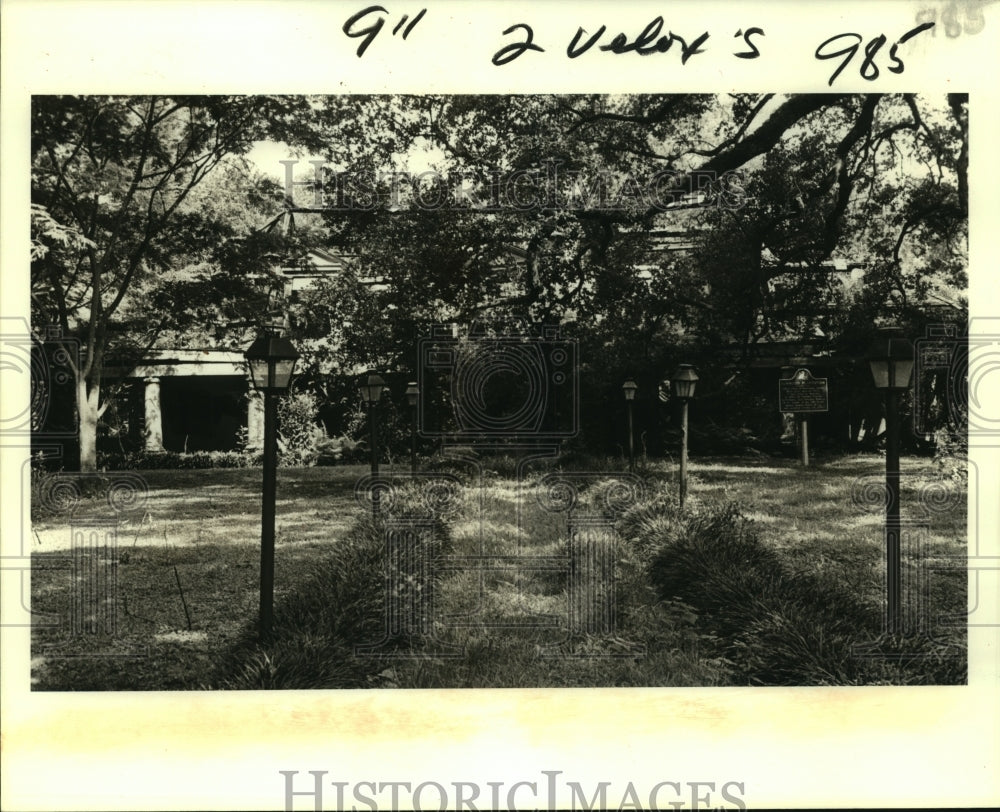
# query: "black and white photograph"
414 406
499 391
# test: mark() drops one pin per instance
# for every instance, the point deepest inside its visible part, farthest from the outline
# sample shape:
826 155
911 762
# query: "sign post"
802 394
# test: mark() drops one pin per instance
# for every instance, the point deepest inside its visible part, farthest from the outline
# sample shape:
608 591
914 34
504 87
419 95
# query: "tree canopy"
643 224
877 182
115 211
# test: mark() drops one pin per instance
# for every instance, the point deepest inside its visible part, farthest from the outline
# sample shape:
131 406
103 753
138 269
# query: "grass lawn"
187 574
829 518
197 536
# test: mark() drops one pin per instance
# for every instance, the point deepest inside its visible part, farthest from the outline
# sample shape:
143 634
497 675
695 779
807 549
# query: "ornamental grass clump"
321 630
776 626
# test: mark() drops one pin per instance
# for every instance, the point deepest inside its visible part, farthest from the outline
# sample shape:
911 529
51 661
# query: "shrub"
178 460
39 474
301 438
650 522
340 449
715 439
776 626
502 466
55 492
342 604
461 462
951 454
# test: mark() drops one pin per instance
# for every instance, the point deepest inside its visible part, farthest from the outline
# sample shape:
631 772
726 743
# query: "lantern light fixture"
372 388
412 393
891 359
684 381
272 361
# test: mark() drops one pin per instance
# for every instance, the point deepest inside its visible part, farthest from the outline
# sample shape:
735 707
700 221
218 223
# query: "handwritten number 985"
868 70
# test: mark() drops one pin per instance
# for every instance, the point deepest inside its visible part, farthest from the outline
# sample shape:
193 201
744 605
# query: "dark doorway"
202 413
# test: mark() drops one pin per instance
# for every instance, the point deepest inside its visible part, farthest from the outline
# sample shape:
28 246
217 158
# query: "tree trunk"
87 399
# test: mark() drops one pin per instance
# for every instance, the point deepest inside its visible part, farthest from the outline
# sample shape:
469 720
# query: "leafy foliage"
777 626
301 439
117 218
563 209
847 211
340 606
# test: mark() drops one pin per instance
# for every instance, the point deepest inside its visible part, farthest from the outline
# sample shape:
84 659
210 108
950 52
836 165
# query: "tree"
877 180
113 181
821 175
124 247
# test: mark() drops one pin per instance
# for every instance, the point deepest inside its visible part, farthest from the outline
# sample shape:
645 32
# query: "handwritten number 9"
850 50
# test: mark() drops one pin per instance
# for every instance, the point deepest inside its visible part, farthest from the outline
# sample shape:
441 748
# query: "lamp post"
891 360
684 381
371 392
629 388
271 360
412 397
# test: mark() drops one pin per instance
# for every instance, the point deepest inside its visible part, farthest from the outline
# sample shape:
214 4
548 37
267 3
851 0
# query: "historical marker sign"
803 393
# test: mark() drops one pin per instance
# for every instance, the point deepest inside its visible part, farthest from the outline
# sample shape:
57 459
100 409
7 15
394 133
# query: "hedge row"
342 604
776 626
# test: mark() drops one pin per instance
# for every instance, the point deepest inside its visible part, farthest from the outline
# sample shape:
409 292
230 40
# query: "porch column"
153 431
255 420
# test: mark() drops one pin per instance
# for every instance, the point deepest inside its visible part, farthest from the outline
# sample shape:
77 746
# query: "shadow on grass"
784 609
780 627
151 616
342 604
